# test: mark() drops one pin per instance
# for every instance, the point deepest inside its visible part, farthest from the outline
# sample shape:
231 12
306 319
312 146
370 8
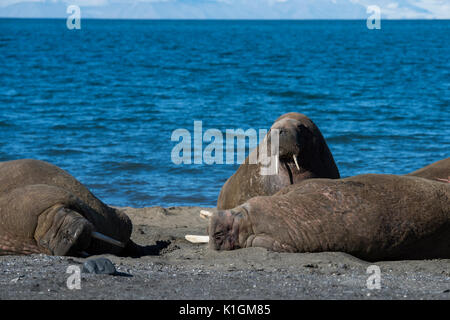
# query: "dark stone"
99 266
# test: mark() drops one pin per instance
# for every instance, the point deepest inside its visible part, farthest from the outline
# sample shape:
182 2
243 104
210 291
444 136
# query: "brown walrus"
373 217
439 171
303 154
43 209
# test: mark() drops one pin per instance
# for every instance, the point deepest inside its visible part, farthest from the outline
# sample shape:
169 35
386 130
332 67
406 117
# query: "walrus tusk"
205 214
102 237
197 239
296 163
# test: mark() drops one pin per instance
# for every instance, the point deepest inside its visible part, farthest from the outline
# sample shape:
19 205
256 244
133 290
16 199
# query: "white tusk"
276 165
102 237
197 239
296 163
205 214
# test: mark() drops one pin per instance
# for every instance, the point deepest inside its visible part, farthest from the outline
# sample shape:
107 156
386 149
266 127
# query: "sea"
103 102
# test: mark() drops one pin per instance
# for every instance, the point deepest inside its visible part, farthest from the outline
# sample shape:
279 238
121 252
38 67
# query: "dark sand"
178 269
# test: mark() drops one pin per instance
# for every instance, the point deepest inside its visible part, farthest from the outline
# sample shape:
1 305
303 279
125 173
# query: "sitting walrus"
439 171
43 209
303 154
373 217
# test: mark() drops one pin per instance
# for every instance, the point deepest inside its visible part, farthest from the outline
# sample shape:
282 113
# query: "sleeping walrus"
43 209
439 171
373 217
303 154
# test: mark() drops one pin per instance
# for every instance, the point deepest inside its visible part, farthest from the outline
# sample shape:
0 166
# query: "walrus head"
294 147
303 152
229 229
289 139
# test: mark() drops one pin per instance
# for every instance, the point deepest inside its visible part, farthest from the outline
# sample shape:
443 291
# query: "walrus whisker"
205 214
197 239
102 237
296 163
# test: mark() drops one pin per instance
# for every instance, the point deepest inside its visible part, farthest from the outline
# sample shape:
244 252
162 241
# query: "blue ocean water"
103 101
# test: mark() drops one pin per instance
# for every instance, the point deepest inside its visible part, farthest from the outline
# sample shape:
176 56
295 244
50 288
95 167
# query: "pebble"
17 279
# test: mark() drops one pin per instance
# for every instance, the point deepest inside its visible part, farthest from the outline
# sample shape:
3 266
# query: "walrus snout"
226 231
63 231
67 233
288 139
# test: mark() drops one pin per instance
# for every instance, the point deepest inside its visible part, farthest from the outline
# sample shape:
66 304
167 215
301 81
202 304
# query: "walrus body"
373 217
439 171
43 209
299 137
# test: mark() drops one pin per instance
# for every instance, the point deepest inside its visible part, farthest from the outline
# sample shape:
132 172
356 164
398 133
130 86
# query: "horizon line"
226 19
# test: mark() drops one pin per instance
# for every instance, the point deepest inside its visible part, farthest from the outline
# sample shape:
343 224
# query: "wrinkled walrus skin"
43 209
439 171
298 136
372 217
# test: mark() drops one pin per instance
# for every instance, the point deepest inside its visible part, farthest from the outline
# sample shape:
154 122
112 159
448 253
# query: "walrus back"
439 171
20 173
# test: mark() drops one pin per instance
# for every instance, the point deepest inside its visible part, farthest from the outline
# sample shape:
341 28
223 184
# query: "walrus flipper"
10 245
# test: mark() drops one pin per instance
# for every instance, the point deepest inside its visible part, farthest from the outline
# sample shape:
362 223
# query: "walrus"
303 154
43 209
373 217
439 171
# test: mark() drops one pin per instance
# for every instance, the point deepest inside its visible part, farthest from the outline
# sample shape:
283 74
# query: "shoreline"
177 269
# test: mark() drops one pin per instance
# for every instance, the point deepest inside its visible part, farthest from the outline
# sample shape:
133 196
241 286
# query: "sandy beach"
177 269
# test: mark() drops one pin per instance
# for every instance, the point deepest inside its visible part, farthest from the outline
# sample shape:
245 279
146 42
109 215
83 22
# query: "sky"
227 9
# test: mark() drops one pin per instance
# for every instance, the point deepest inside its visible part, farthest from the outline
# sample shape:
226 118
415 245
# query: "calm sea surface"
103 101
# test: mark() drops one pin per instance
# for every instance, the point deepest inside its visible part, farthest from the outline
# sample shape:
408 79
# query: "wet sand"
177 269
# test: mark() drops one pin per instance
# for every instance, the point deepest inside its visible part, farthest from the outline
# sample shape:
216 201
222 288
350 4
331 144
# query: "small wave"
299 95
128 166
11 93
62 152
5 124
77 127
352 137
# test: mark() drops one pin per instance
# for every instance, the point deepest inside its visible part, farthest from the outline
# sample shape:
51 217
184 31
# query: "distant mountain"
227 9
